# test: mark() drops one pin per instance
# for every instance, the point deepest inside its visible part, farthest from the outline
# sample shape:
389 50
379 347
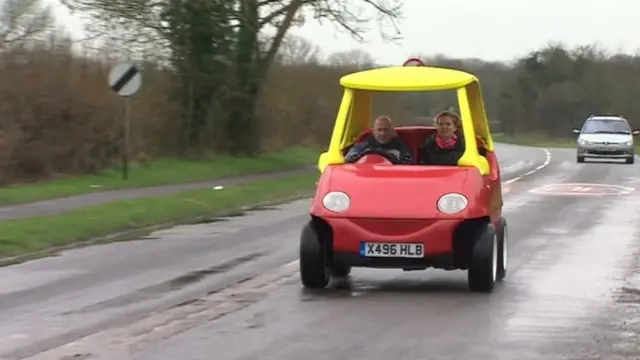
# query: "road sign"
125 79
582 189
413 62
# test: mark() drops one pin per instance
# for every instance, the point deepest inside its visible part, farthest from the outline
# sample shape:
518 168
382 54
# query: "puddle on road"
245 211
629 296
226 217
134 338
182 281
174 284
630 293
566 293
263 208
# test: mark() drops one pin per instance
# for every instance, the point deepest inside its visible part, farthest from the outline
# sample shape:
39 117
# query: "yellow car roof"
407 78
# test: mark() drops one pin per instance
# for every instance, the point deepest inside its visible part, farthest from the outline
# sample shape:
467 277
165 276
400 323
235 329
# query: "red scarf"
446 143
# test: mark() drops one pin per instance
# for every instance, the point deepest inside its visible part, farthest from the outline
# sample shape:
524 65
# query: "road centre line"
546 162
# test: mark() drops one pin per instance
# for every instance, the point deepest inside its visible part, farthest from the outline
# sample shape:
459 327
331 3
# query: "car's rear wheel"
503 247
315 272
483 270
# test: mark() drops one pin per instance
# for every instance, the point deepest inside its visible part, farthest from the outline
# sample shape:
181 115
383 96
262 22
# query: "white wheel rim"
494 260
505 245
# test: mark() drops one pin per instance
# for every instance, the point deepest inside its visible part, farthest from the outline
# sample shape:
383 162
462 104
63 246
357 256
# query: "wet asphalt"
229 290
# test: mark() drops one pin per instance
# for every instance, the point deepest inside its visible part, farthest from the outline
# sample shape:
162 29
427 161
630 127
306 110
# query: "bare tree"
352 59
23 20
226 41
297 50
144 19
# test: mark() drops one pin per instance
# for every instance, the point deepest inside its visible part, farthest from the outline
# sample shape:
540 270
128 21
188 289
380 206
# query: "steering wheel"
377 151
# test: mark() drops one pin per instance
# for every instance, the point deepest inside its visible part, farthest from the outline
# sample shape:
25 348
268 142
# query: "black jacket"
431 154
371 143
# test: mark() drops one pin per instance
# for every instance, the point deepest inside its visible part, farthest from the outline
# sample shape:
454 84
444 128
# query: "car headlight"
627 143
584 142
452 203
336 201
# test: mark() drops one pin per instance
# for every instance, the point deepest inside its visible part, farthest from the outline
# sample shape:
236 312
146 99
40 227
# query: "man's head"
382 129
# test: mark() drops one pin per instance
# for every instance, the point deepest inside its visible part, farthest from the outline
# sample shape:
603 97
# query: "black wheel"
314 269
483 271
503 247
340 270
630 160
580 159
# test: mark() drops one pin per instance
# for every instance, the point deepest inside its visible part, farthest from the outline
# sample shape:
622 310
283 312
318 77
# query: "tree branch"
22 20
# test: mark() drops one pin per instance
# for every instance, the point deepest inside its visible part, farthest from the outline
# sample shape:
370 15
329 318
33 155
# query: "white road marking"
546 162
582 188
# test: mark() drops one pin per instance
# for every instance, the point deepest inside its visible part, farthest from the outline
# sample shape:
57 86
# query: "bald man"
383 137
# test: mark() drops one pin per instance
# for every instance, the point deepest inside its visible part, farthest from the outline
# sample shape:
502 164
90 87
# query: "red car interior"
415 136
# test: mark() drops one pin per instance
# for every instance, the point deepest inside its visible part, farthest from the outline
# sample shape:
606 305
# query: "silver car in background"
606 137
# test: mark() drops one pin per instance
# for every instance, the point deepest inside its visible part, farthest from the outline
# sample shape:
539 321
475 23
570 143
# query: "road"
229 290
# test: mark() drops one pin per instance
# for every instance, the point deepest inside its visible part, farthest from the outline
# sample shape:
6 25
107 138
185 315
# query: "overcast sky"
489 29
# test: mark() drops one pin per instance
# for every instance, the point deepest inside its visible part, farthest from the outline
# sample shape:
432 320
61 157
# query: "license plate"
377 249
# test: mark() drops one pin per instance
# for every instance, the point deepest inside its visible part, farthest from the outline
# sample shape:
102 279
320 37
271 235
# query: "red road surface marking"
582 189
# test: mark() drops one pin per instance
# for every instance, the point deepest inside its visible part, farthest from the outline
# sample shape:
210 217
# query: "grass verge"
162 172
536 140
24 236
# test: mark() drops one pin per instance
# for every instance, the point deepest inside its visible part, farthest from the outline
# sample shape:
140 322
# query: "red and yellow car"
382 214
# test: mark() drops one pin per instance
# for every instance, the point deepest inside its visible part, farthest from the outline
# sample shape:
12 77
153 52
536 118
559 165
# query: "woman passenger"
446 146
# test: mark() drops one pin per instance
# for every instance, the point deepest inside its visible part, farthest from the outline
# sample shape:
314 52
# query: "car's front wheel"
338 269
315 272
503 247
483 270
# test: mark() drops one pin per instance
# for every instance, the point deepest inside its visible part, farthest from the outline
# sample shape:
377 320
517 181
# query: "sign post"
125 80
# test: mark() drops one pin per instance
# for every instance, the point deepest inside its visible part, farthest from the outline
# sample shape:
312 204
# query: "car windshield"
606 127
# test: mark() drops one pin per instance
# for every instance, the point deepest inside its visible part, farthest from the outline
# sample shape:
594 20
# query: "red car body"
397 203
381 212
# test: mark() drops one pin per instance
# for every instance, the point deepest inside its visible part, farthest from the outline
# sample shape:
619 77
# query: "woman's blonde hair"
450 114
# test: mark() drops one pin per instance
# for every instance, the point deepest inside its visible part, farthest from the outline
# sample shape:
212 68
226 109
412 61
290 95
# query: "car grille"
607 143
605 152
602 145
606 148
